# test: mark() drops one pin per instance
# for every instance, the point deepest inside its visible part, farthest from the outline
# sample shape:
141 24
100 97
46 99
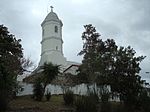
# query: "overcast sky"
126 21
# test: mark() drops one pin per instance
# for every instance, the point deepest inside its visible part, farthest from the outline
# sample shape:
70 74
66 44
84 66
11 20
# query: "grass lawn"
27 104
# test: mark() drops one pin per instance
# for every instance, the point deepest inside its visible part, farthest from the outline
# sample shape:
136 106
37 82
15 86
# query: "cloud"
126 21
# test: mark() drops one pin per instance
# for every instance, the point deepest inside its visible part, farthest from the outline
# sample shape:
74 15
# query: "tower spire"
51 8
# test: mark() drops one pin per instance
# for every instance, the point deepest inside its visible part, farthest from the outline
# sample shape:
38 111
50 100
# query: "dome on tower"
52 16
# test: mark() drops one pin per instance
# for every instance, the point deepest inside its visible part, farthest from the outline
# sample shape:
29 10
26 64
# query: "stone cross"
51 8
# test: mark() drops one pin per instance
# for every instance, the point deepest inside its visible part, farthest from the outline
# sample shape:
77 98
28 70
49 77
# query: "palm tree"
50 71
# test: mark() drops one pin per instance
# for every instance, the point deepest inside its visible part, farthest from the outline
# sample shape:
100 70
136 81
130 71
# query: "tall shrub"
86 104
38 91
48 95
68 97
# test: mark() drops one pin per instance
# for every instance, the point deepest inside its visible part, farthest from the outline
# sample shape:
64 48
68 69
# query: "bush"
94 96
86 104
105 104
48 95
38 90
68 97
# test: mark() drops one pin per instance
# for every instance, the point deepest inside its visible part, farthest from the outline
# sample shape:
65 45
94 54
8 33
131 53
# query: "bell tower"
52 43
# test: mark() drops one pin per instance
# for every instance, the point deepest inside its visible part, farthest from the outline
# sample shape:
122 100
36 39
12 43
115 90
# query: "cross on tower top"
51 8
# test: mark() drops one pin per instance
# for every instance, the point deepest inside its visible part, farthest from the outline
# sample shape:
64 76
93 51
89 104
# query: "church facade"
52 44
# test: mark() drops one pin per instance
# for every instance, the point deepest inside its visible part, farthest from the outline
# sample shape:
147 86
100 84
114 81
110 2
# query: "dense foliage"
11 58
107 64
12 64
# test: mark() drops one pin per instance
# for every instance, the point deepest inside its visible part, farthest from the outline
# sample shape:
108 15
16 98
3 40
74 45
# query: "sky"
125 21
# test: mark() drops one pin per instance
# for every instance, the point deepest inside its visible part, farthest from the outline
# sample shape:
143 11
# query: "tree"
106 64
91 41
98 55
97 61
12 64
125 76
50 71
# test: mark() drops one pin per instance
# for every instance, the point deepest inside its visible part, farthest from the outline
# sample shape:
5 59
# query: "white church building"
52 44
52 51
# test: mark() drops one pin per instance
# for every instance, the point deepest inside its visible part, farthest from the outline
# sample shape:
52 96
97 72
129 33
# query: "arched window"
56 29
56 47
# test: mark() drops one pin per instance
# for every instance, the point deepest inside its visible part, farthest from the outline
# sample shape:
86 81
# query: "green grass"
25 102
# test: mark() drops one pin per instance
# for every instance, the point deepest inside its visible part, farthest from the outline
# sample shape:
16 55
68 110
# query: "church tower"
52 43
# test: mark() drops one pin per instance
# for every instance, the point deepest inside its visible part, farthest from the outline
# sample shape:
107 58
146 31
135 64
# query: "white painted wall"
56 89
